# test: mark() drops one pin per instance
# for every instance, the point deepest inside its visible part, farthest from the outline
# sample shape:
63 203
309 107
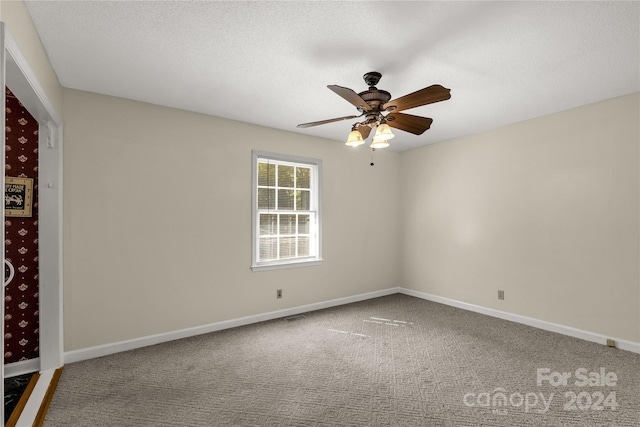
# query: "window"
286 211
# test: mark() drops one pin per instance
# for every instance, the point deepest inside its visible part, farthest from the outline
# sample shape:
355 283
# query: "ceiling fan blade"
351 96
364 131
428 95
324 122
409 123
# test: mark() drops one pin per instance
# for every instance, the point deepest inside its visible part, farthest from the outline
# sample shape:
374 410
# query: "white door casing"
16 74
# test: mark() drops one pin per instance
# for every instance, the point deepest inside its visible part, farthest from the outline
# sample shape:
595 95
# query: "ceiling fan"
382 114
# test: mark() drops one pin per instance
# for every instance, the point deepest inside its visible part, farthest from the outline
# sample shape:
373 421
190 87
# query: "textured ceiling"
269 62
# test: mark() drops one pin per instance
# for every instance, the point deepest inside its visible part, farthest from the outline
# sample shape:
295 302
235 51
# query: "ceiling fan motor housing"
374 97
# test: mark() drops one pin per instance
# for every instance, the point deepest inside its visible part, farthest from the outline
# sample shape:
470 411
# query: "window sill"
287 264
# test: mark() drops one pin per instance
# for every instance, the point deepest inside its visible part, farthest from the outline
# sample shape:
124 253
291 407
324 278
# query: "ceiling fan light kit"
379 143
355 139
383 131
382 114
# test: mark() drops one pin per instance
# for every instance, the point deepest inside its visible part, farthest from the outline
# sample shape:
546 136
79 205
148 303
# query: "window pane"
303 200
303 177
287 247
286 221
268 249
303 246
285 176
268 224
266 198
285 199
287 224
303 224
266 174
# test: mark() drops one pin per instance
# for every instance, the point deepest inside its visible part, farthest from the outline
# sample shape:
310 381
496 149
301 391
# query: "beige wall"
157 221
18 21
546 210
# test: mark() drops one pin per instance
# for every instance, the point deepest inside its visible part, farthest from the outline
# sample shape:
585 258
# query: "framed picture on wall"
18 196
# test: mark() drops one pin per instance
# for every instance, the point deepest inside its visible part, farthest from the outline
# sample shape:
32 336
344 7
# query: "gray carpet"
391 361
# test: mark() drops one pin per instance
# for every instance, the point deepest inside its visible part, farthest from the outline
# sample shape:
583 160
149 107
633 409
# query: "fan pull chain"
372 150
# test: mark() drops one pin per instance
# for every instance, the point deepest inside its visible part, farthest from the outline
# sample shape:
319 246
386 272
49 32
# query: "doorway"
21 296
21 319
19 78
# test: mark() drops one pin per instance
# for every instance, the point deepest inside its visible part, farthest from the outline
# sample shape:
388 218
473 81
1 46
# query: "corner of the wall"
621 344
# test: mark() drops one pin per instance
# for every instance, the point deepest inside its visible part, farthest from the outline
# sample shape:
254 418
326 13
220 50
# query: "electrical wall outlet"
500 294
279 293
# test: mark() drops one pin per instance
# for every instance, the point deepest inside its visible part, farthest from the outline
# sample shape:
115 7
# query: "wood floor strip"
15 415
44 407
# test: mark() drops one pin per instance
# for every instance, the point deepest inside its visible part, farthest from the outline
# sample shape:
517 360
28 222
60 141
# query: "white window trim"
288 263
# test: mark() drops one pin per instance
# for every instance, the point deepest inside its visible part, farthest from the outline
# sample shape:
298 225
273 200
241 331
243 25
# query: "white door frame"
18 76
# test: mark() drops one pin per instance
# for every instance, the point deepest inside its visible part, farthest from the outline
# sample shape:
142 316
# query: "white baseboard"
23 367
106 349
536 323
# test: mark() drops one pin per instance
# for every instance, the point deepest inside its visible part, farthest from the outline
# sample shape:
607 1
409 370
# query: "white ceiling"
270 62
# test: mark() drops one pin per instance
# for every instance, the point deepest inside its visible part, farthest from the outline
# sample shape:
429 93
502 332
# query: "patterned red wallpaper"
21 238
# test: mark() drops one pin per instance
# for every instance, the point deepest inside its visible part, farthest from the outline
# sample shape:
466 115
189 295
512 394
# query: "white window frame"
316 205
